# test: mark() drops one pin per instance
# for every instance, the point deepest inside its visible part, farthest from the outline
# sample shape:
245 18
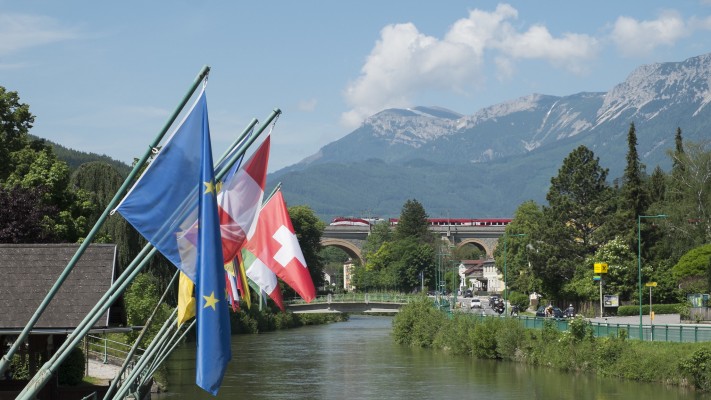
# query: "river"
359 359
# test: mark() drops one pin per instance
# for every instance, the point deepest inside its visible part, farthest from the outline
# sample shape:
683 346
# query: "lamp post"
506 286
639 264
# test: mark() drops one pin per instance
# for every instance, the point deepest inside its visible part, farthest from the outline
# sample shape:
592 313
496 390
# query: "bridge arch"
478 243
349 247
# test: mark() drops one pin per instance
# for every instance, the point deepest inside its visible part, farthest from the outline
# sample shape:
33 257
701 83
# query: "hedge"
623 311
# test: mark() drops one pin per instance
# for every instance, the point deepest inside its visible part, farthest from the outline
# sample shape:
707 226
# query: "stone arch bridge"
351 238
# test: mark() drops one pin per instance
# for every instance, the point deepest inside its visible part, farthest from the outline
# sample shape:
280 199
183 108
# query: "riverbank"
577 350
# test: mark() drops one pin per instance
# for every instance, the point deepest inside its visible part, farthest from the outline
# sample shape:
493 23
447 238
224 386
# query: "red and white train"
353 221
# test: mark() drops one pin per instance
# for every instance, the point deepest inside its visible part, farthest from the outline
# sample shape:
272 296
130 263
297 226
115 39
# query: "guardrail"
107 350
360 298
687 333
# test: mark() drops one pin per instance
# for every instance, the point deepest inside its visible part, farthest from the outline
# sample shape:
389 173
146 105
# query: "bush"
657 308
519 299
698 368
71 372
418 323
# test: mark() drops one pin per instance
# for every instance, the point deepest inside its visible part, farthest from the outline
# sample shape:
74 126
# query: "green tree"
635 197
692 270
379 233
579 204
689 199
527 220
15 122
413 222
100 182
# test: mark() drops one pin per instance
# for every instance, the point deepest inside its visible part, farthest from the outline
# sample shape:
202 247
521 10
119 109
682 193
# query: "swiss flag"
275 244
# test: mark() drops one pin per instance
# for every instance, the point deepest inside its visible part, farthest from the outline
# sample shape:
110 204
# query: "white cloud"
635 38
21 31
405 61
307 105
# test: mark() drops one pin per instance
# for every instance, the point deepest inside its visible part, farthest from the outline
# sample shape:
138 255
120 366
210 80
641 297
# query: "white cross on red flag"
275 244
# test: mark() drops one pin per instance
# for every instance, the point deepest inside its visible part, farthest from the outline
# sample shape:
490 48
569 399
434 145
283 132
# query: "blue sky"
104 77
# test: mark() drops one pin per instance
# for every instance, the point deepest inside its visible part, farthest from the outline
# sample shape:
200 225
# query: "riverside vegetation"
420 324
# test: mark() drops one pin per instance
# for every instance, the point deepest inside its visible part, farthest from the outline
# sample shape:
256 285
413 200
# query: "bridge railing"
375 297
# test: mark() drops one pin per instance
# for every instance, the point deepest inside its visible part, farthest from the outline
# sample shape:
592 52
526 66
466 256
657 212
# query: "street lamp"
639 264
506 286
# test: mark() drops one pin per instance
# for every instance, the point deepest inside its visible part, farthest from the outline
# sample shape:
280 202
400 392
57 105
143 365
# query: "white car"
476 303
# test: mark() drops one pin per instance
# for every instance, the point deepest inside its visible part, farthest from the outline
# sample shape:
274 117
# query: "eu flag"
213 325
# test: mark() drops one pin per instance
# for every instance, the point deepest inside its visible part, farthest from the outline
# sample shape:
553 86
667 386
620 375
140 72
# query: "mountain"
488 163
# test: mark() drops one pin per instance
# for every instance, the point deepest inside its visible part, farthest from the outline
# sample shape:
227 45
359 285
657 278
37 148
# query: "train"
355 221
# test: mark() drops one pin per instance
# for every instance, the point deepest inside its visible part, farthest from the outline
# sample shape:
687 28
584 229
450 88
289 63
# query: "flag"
213 323
263 277
274 244
186 300
239 200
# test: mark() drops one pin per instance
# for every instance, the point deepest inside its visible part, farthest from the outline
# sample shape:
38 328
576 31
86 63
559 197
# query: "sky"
104 77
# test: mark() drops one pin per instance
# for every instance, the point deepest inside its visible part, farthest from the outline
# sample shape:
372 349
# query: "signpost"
600 268
650 285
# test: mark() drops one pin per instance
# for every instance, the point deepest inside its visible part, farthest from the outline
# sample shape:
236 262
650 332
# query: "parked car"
468 293
557 312
476 302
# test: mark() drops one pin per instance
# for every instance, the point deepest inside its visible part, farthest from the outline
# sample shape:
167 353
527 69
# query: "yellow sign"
651 284
600 268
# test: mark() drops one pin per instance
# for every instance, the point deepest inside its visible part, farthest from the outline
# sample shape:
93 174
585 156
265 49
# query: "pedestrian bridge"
352 303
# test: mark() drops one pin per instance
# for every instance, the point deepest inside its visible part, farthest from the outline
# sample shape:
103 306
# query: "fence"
662 333
107 350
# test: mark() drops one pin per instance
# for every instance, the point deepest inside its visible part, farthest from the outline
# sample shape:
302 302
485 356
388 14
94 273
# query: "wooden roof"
28 272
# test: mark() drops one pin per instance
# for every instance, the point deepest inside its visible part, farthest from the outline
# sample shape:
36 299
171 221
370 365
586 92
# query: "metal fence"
661 333
107 350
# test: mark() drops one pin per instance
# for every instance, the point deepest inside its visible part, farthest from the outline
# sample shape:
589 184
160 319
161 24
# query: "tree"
579 204
520 275
413 222
15 122
308 230
24 216
100 182
688 201
635 197
692 270
379 233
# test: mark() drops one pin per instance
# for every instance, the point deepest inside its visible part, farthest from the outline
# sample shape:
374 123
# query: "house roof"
28 272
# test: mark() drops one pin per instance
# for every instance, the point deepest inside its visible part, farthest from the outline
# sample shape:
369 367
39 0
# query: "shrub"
484 342
519 299
698 368
71 372
657 308
417 323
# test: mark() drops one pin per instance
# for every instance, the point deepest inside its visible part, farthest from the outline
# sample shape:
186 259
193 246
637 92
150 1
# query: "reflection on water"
359 360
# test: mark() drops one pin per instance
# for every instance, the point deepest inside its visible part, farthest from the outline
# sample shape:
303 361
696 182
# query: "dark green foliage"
698 368
15 122
635 198
140 300
693 263
418 323
657 308
579 205
413 222
519 299
308 230
252 320
71 372
24 216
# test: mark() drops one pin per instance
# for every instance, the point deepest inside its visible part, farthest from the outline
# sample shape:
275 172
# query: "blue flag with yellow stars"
213 324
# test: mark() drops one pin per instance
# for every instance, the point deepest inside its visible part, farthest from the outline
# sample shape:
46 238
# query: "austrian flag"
275 244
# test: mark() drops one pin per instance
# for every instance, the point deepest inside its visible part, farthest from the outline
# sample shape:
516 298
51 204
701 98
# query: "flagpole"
127 276
4 362
243 149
